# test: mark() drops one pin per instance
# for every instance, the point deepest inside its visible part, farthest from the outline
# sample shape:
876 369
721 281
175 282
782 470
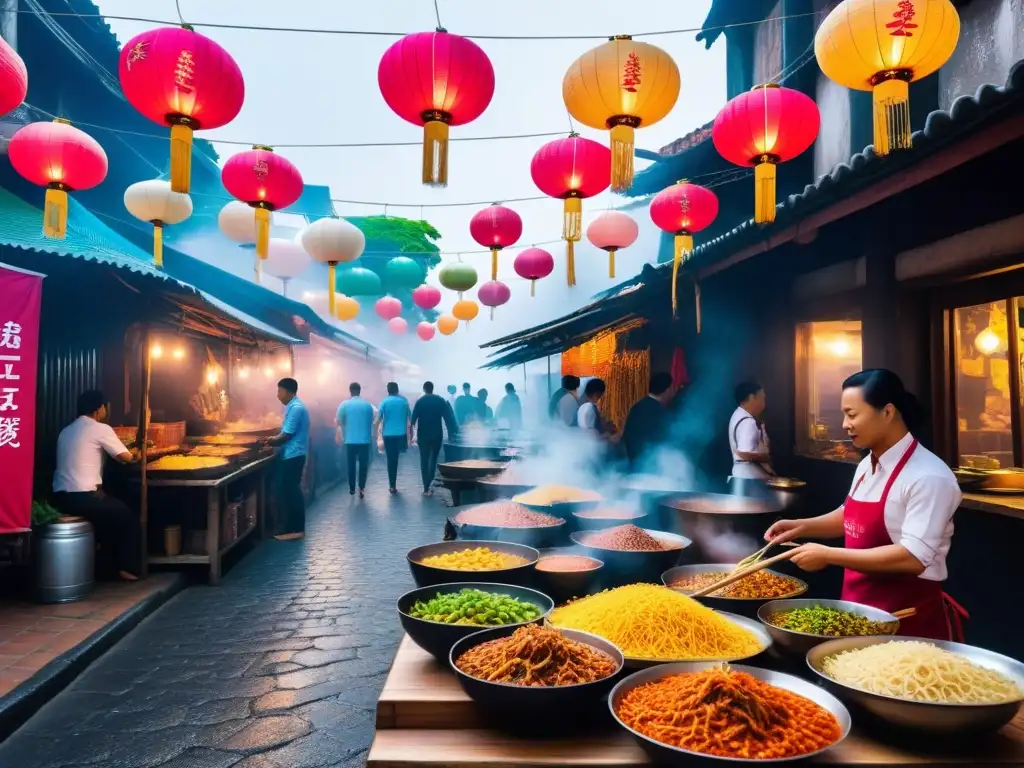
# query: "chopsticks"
906 613
743 573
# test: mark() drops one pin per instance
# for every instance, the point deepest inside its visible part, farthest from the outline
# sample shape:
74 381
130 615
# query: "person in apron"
748 439
896 522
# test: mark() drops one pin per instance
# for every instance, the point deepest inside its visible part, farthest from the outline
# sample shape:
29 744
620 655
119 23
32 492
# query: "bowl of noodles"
931 687
560 500
498 562
682 713
743 597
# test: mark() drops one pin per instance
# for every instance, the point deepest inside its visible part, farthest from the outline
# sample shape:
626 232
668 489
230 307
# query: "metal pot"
64 561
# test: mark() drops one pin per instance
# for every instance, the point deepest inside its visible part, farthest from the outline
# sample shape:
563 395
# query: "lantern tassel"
258 269
892 116
492 314
332 273
622 157
764 193
494 263
611 263
158 244
435 153
570 263
696 301
684 244
262 232
533 288
55 213
181 158
572 230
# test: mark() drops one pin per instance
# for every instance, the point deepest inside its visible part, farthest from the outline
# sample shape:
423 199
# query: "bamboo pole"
143 441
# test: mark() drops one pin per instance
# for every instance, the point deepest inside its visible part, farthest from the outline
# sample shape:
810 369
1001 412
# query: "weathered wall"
833 143
991 41
768 46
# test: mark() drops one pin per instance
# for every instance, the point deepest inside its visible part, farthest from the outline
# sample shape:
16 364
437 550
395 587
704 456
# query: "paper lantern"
286 260
238 222
61 158
458 277
426 297
397 325
264 180
403 272
436 79
611 231
358 282
13 79
761 128
177 77
465 310
346 308
425 331
882 46
333 242
388 307
534 264
619 86
493 294
571 169
447 325
154 201
496 227
683 209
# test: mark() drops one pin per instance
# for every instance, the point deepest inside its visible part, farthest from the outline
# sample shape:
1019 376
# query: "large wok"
710 519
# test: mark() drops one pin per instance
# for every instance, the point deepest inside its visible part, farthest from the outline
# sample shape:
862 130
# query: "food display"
728 713
655 623
505 514
476 464
916 670
231 439
830 622
609 513
219 450
536 656
567 563
180 462
549 495
628 538
473 606
761 585
474 559
270 421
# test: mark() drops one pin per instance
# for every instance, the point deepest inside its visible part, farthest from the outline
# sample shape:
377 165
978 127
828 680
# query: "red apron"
864 526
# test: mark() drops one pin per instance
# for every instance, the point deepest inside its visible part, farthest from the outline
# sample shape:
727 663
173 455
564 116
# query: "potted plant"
64 555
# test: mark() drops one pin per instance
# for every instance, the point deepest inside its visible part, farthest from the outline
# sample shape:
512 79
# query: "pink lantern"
534 264
397 325
265 181
388 307
425 331
494 294
496 227
611 231
426 297
13 79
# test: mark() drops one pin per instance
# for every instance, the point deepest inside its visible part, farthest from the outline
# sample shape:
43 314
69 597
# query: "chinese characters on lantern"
184 70
631 72
261 169
903 20
10 366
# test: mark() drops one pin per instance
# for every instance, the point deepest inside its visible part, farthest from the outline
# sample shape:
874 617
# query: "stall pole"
549 378
142 440
524 378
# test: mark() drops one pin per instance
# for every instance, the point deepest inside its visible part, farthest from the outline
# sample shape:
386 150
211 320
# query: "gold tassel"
622 157
181 158
332 273
611 263
696 301
572 222
55 214
764 192
494 263
435 153
262 232
684 244
570 263
158 244
892 115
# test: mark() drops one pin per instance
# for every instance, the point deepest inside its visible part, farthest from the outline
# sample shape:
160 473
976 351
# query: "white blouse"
921 503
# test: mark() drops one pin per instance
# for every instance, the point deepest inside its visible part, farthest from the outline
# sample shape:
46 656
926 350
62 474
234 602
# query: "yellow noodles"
547 495
475 559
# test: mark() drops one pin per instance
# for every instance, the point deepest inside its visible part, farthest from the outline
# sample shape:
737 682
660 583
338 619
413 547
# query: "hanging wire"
177 7
437 15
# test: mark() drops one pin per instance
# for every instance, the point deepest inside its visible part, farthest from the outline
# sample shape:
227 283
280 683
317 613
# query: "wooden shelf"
238 540
179 560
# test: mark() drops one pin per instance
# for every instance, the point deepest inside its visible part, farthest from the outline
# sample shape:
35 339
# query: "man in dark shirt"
427 417
647 422
510 409
466 406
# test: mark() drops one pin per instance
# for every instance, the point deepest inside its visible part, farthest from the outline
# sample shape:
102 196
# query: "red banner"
21 297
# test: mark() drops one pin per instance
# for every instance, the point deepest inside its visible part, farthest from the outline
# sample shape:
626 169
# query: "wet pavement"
279 667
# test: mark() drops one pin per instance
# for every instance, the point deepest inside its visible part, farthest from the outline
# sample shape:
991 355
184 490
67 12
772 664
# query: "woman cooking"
897 520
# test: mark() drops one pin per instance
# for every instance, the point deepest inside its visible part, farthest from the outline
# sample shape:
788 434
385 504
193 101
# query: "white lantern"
286 259
154 201
332 242
238 221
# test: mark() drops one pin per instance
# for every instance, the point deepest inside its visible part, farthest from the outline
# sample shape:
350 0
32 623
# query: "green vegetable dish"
818 620
472 606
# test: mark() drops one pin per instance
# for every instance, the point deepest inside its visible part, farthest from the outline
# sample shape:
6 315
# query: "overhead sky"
322 88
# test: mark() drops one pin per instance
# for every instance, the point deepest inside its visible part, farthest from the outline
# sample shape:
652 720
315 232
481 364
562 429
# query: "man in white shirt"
748 439
563 404
588 417
78 481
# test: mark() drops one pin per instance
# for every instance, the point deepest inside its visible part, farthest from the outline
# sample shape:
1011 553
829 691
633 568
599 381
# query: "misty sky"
310 88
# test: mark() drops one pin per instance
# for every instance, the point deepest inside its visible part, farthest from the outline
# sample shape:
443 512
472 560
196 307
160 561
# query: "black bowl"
426 575
436 638
627 567
536 536
536 709
561 586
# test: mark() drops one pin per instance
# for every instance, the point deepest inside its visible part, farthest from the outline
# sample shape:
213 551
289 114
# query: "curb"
28 698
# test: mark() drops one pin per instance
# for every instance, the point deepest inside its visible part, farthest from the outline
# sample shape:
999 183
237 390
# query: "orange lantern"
447 325
465 310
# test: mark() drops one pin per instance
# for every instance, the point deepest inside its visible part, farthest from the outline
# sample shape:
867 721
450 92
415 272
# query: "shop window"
983 386
826 354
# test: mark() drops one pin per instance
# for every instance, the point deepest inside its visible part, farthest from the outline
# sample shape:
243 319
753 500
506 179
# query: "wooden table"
425 719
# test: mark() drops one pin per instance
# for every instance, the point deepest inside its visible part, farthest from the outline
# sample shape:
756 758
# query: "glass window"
826 354
982 377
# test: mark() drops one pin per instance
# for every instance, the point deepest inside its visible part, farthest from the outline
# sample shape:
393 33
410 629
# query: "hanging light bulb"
988 342
156 351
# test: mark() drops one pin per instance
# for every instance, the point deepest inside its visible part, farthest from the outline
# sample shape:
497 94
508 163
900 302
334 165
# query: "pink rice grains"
506 514
625 537
563 563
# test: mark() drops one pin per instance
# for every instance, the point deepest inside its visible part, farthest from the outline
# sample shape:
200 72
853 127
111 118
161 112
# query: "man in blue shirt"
394 416
355 429
294 443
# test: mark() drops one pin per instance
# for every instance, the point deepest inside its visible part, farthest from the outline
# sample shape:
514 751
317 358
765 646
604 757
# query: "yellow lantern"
346 308
621 85
465 310
447 325
882 46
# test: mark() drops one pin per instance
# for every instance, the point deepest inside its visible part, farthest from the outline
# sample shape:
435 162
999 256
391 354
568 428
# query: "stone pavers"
279 667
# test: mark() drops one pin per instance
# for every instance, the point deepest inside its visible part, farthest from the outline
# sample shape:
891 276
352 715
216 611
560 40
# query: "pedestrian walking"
294 443
430 416
355 432
466 406
510 409
484 414
395 429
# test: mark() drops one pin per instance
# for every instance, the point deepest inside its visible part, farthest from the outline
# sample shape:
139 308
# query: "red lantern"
572 169
534 264
265 181
436 79
426 297
61 158
388 307
761 128
178 77
683 209
496 227
13 79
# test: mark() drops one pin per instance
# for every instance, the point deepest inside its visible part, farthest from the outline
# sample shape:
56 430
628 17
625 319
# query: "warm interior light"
178 353
268 372
211 377
156 351
243 373
987 342
284 365
327 365
839 347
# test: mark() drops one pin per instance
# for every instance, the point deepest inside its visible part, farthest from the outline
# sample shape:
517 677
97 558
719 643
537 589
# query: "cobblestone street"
279 667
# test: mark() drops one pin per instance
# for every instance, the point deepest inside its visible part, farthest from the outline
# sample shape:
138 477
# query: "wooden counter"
425 719
998 504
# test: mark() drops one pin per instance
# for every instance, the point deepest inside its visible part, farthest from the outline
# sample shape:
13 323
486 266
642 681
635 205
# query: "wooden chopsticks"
743 573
